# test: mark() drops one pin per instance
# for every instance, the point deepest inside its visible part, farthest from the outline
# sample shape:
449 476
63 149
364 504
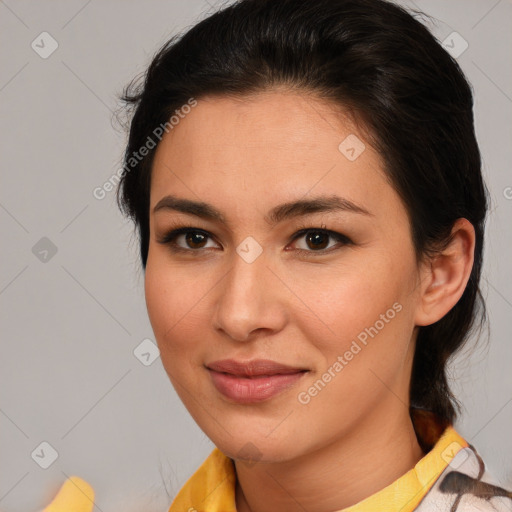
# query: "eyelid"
303 229
169 237
173 233
339 237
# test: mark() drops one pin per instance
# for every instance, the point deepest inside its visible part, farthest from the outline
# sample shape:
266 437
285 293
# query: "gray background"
71 320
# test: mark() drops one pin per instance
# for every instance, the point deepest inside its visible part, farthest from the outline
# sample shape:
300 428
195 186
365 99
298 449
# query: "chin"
252 447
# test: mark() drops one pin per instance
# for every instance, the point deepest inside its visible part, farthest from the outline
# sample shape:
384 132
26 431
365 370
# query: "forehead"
273 120
266 148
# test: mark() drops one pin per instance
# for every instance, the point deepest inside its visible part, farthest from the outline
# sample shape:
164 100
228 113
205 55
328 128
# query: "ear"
444 277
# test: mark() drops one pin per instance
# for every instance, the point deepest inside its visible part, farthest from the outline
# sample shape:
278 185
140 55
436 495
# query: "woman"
306 184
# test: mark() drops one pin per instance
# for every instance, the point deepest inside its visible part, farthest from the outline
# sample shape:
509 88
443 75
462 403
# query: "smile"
253 381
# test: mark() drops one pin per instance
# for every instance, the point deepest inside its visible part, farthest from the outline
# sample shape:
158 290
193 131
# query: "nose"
250 300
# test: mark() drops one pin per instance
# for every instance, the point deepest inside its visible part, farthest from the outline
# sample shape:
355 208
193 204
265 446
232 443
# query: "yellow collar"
212 486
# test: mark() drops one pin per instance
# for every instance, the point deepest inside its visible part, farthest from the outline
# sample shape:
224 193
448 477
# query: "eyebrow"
277 214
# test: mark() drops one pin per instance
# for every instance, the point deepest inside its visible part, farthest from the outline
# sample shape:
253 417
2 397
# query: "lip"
253 381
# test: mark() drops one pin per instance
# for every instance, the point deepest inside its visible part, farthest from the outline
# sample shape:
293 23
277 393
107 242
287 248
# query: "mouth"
253 381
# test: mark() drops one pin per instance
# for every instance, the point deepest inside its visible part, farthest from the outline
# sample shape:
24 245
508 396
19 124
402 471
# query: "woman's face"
340 312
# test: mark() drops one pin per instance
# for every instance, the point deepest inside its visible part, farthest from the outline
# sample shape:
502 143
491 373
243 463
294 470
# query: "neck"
338 475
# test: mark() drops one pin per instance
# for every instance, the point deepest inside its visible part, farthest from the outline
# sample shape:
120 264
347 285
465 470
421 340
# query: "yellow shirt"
450 477
212 487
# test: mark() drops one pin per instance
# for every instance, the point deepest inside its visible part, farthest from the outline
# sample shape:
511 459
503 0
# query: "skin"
245 156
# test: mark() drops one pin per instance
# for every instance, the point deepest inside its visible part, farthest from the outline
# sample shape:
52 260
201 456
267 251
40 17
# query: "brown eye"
186 239
317 240
195 239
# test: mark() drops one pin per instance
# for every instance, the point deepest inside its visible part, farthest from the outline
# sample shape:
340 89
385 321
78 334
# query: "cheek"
347 300
172 301
359 335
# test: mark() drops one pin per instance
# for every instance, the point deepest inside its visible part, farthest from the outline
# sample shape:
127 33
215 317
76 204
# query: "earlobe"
446 275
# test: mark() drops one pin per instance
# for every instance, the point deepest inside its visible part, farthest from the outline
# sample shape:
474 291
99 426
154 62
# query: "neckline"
212 486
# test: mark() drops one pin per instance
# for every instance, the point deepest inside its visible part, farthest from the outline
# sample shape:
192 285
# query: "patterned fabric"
465 486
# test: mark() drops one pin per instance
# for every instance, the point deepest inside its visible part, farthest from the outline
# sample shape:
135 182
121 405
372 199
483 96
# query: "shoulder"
466 486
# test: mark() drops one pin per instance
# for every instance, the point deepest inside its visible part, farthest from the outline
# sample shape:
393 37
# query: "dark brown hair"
374 58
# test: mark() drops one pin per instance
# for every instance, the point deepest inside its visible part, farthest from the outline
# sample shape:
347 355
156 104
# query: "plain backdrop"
71 288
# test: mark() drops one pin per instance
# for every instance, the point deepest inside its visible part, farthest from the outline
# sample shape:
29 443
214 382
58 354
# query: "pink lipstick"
252 381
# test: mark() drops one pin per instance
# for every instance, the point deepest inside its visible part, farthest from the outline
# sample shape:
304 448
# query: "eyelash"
169 239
